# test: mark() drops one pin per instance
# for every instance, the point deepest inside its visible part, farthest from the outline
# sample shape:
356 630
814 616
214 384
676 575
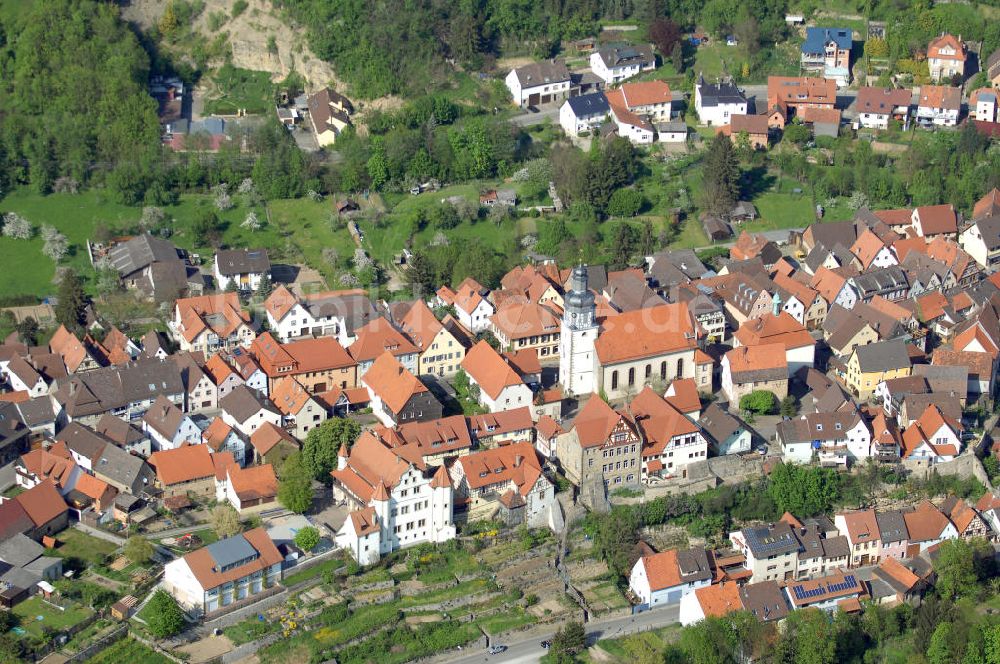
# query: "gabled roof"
718 600
164 417
466 296
817 39
486 367
940 96
517 321
883 356
935 219
54 463
988 205
303 355
595 422
243 403
65 344
659 420
222 314
882 101
862 526
233 262
209 564
377 337
440 436
289 397
769 329
544 72
644 333
253 482
719 424
758 363
216 434
370 465
182 464
268 435
801 90
420 325
515 464
391 381
954 46
925 522
594 103
42 503
671 568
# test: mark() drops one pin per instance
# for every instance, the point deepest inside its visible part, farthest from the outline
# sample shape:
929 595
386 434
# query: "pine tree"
72 301
419 274
721 176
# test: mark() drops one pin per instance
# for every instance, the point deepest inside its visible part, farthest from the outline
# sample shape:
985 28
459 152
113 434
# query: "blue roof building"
818 38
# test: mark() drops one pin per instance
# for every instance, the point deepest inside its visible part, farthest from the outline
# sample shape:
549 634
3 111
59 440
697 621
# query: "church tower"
577 335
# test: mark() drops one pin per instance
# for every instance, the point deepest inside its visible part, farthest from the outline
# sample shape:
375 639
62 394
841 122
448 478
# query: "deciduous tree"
319 453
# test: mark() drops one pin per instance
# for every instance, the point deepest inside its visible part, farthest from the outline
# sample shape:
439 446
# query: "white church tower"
577 335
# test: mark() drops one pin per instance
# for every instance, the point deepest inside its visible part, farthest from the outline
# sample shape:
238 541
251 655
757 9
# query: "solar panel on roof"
231 551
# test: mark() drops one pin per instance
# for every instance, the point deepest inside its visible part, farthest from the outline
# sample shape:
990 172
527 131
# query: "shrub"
759 402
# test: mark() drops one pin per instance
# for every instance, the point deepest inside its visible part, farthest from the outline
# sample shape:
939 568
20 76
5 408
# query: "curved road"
529 649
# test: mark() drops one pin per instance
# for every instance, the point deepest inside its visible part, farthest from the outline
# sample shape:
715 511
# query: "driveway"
545 112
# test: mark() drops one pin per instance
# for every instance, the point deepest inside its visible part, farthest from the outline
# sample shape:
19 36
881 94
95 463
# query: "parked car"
496 650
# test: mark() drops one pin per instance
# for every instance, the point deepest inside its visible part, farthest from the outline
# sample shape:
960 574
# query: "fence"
101 644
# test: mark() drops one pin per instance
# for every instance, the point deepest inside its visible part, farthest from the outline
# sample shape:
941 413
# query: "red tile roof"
515 464
645 333
253 482
268 435
947 42
205 570
391 381
485 366
182 464
42 503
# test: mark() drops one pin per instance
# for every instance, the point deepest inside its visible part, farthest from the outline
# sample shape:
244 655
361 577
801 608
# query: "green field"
240 89
30 610
77 216
129 650
75 543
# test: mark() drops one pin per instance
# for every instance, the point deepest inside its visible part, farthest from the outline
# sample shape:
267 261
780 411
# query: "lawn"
129 650
249 630
75 543
30 610
77 216
505 621
28 271
240 89
307 225
312 572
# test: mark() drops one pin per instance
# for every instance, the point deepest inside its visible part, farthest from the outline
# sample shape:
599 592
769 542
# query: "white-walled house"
666 577
246 410
396 504
539 83
469 300
716 103
168 427
244 268
583 113
615 64
500 387
224 572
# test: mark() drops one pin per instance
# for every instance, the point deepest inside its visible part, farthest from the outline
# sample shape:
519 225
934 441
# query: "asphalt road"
527 119
529 649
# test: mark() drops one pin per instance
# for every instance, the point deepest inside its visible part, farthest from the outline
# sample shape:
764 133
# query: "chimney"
517 460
